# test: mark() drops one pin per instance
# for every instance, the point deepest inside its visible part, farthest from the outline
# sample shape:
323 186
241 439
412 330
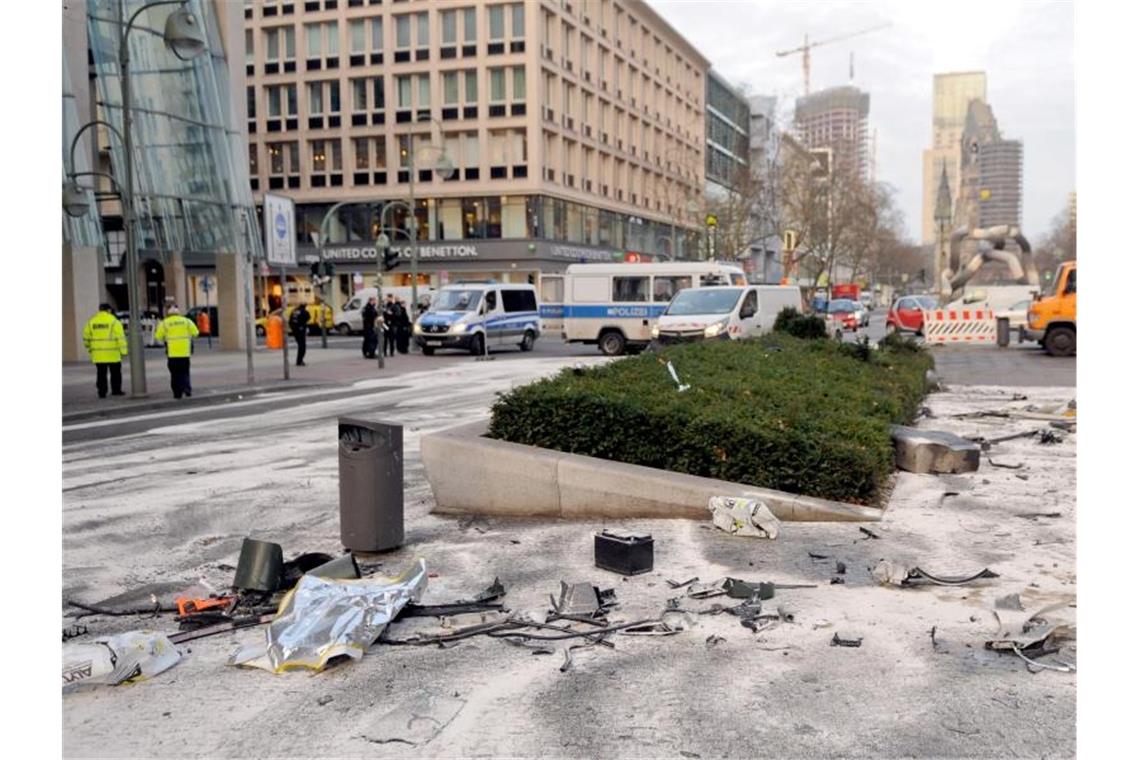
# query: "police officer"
369 316
299 326
178 333
104 339
391 318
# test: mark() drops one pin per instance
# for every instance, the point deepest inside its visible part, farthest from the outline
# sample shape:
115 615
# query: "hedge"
804 416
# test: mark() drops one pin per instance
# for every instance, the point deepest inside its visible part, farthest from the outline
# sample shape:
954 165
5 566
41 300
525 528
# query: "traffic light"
315 269
391 259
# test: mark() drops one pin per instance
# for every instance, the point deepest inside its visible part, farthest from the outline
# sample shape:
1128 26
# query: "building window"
495 31
252 160
360 147
284 165
356 36
448 23
251 102
326 156
316 98
518 22
249 58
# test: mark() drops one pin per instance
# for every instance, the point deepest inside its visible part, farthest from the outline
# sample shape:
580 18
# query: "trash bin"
371 484
1003 331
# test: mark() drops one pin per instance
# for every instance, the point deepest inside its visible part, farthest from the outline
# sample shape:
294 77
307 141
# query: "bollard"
1003 331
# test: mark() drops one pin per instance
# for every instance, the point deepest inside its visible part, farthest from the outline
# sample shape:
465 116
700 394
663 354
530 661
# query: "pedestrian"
369 315
403 327
105 340
299 326
178 333
391 318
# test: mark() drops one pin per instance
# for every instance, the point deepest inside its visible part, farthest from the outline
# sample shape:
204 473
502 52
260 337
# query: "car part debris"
260 567
743 517
91 609
495 591
1009 602
74 631
439 610
786 615
1004 466
301 564
714 640
125 658
838 580
1061 667
682 584
868 533
191 606
933 642
1049 435
578 599
706 590
887 573
323 618
840 568
818 556
626 552
343 567
417 722
738 589
841 641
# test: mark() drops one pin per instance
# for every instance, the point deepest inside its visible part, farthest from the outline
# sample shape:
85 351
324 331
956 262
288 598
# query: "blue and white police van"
615 305
478 317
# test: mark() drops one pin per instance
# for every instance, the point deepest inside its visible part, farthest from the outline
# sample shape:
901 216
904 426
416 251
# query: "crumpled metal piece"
324 618
888 573
743 517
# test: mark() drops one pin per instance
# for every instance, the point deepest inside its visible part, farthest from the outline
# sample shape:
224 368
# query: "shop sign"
577 253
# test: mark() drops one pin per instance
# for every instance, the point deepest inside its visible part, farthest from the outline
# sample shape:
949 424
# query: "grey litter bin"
371 484
1003 331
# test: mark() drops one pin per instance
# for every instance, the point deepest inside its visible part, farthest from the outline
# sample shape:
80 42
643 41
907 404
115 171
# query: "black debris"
838 580
840 568
839 641
495 591
817 556
738 589
682 584
868 532
322 701
917 576
73 631
1004 466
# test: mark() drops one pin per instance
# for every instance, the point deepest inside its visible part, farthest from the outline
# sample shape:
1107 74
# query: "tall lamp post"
184 38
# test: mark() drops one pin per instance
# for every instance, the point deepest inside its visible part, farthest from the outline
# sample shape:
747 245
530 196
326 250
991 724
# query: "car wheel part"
527 341
344 329
612 344
1061 341
477 344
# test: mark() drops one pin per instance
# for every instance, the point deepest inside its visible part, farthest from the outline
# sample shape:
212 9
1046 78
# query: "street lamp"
184 37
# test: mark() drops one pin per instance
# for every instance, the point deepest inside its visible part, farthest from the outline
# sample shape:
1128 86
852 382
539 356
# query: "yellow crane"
807 46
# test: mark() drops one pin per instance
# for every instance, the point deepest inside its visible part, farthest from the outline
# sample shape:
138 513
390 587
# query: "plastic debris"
743 517
681 388
325 618
125 658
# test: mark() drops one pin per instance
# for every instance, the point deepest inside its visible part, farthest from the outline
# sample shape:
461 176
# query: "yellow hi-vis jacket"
178 333
104 339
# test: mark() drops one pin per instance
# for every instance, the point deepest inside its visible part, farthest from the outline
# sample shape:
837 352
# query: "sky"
1026 50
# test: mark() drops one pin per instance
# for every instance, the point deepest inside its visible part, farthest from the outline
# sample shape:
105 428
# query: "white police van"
478 316
615 305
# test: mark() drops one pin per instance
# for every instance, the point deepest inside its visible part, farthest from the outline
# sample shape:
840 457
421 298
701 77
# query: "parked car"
843 311
906 313
1017 314
314 316
868 300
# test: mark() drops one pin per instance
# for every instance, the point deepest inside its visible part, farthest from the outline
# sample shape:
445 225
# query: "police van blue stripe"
614 311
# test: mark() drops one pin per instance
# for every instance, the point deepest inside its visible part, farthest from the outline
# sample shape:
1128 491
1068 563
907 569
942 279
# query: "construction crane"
807 46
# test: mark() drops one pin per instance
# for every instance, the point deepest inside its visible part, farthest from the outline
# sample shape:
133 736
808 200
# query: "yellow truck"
1053 317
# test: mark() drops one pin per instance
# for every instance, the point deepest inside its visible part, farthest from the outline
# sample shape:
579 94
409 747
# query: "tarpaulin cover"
323 618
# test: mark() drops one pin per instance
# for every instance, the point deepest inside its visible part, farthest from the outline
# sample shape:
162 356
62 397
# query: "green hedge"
778 412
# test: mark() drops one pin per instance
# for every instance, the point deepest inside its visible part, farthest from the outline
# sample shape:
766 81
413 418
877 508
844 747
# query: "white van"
478 316
349 320
614 305
727 313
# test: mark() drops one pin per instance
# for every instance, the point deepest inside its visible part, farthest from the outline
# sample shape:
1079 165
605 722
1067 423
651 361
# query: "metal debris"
1009 602
868 532
840 641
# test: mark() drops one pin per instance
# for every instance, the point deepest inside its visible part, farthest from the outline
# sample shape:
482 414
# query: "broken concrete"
472 474
933 451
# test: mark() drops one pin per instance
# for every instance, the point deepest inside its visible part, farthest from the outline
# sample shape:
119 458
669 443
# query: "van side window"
631 289
711 279
353 305
519 300
490 300
738 279
664 288
1071 285
749 306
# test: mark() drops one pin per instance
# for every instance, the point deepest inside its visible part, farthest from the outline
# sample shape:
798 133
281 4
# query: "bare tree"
1059 244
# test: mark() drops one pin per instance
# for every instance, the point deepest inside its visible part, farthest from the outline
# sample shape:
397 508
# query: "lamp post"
444 169
184 38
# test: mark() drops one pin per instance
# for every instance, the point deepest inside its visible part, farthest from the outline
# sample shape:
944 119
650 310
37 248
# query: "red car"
906 313
842 310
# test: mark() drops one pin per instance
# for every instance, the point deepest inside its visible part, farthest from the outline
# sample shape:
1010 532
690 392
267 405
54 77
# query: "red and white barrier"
959 326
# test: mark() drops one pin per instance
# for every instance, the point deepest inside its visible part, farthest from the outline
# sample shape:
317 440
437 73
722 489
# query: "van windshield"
456 300
703 301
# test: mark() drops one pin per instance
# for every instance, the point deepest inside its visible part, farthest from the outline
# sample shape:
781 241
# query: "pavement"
185 488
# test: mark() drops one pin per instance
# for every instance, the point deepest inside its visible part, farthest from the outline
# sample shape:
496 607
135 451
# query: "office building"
727 122
836 119
764 261
574 131
952 95
196 228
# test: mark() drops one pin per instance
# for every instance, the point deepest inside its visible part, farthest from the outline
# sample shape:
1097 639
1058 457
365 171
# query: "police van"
479 316
615 305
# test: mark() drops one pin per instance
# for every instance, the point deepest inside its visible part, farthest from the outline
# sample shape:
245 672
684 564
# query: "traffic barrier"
959 326
275 332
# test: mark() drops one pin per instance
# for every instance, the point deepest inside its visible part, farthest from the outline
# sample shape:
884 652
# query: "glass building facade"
192 192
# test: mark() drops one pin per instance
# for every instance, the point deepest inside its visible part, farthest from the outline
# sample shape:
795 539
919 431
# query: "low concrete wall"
470 474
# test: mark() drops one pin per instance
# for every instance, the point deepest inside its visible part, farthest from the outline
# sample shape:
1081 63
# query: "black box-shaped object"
624 551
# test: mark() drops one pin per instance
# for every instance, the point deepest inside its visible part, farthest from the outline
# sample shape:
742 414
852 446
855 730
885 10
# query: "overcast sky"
1026 50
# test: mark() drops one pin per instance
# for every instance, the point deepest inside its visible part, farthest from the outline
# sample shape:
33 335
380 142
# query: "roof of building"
831 99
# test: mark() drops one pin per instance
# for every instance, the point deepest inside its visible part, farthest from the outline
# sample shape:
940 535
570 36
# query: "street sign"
710 220
790 240
280 242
